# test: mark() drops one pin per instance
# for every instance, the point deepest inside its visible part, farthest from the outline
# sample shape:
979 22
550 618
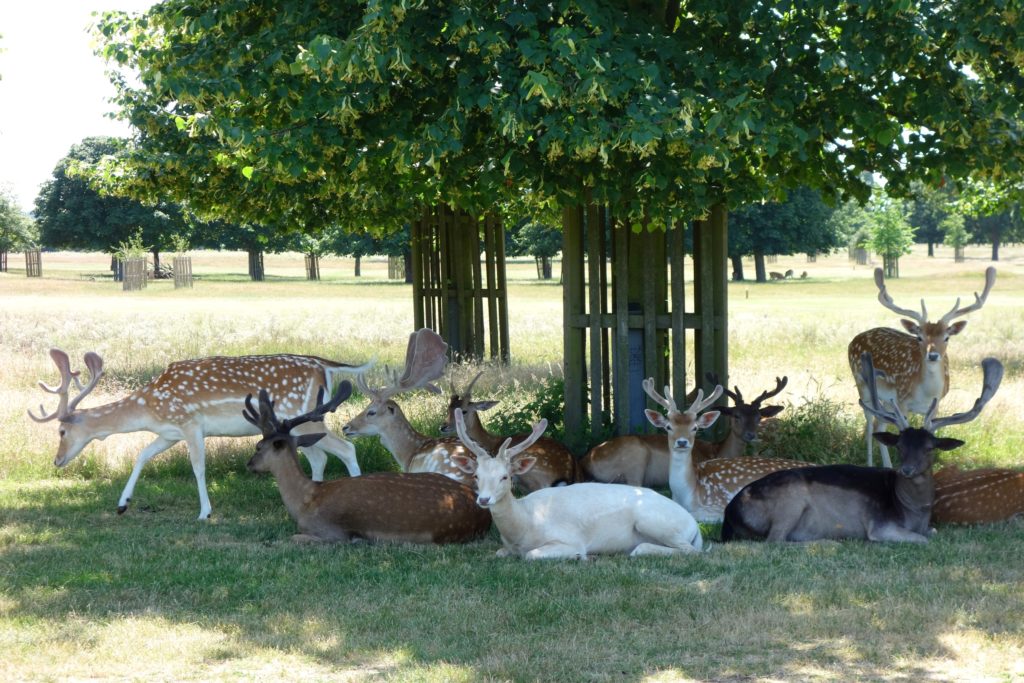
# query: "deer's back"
977 496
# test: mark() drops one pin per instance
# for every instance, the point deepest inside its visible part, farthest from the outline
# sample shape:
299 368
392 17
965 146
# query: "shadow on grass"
737 611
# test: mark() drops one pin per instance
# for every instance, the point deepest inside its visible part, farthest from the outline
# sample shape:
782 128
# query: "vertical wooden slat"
492 298
719 263
606 368
499 242
419 303
703 274
473 245
594 265
620 356
651 257
572 298
676 241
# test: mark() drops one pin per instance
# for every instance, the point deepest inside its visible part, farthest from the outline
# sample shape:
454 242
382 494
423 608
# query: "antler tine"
513 451
886 300
460 429
343 391
468 393
94 362
992 375
665 402
894 416
780 384
979 301
737 396
425 358
364 387
249 412
702 403
63 364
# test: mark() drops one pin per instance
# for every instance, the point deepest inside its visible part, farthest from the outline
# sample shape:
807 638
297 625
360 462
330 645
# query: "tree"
955 234
73 215
540 241
354 244
992 212
800 223
927 209
17 231
890 235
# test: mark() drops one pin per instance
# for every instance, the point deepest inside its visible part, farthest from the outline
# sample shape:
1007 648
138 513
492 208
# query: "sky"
53 89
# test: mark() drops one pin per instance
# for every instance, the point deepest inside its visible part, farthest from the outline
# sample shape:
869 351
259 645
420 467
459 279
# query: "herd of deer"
452 487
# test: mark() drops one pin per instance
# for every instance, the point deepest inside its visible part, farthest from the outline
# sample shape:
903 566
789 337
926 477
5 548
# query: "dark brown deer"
386 506
848 501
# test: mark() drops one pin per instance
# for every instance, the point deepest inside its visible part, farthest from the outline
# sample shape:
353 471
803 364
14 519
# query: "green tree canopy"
315 114
17 231
890 235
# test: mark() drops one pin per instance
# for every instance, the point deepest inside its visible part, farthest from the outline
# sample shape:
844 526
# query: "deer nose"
483 501
907 471
682 443
749 436
346 430
933 356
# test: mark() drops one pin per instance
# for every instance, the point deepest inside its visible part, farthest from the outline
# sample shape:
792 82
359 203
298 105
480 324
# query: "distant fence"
134 274
396 268
182 272
3 261
34 263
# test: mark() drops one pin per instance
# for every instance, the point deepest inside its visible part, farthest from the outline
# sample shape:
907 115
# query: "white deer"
194 399
572 521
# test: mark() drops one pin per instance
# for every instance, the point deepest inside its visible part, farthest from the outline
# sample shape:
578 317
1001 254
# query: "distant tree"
540 241
955 234
398 244
890 235
992 212
17 231
254 240
354 244
927 208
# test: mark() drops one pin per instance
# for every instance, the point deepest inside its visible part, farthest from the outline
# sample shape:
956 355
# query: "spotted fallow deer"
191 400
977 496
705 488
554 464
848 501
914 368
386 506
643 459
414 452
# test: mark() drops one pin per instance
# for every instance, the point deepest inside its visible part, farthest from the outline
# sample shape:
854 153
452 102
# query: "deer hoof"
121 509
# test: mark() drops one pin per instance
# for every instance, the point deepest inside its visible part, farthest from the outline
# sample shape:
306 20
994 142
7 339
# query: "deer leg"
888 531
555 551
655 549
197 454
331 443
317 458
784 519
156 447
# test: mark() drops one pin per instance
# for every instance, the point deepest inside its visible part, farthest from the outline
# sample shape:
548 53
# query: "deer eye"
63 432
371 413
504 478
279 443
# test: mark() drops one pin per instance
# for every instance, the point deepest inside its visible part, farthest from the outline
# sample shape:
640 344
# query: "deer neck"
476 431
295 487
732 447
511 518
916 495
404 442
128 414
682 478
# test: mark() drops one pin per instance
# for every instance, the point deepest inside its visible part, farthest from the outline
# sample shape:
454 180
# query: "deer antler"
64 407
268 423
736 396
886 300
702 403
263 418
666 401
780 384
95 365
513 451
979 301
992 371
425 358
893 416
460 429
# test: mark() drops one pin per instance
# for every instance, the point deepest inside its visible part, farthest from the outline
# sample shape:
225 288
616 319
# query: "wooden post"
572 304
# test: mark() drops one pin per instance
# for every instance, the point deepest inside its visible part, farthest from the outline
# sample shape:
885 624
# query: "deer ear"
956 328
483 405
948 444
887 438
911 327
522 464
771 411
464 463
657 419
307 440
708 419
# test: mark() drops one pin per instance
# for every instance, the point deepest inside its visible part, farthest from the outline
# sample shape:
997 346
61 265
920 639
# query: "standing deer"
572 521
977 496
643 459
386 506
914 367
554 465
705 488
414 452
847 501
191 400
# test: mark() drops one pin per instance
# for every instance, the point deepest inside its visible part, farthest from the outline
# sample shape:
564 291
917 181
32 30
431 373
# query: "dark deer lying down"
388 506
847 501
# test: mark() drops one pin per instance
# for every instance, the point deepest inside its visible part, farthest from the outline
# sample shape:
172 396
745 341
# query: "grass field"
155 595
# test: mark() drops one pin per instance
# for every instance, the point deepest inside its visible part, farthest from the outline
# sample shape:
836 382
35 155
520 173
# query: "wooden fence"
33 263
134 275
182 272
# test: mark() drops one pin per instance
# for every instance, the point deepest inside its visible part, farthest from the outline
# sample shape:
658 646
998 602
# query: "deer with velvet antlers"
554 464
575 521
703 488
191 400
914 367
385 506
848 501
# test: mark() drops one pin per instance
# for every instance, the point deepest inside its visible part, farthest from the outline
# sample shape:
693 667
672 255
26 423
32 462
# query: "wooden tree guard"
312 267
625 319
182 272
396 268
33 263
134 274
3 261
450 294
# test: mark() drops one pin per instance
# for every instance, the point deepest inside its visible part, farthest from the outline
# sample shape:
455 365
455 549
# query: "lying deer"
572 521
914 367
387 506
191 400
554 465
977 496
847 501
643 459
703 488
413 451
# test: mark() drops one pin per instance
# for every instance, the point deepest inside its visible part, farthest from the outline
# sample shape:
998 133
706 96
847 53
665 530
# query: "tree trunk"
759 271
995 246
891 266
359 269
545 266
3 261
407 259
737 268
931 248
256 265
156 261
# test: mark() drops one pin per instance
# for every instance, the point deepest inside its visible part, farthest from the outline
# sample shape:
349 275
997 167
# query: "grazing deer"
191 400
977 496
914 367
555 464
387 506
775 275
848 501
414 452
572 521
643 460
705 488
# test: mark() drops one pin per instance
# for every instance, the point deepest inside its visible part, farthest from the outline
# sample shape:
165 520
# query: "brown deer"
554 464
977 496
914 367
643 459
191 400
705 488
848 501
387 506
413 451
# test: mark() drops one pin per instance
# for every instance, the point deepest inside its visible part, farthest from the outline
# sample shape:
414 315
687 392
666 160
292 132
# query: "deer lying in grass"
554 465
703 488
572 521
191 400
643 459
387 506
847 501
977 496
415 452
